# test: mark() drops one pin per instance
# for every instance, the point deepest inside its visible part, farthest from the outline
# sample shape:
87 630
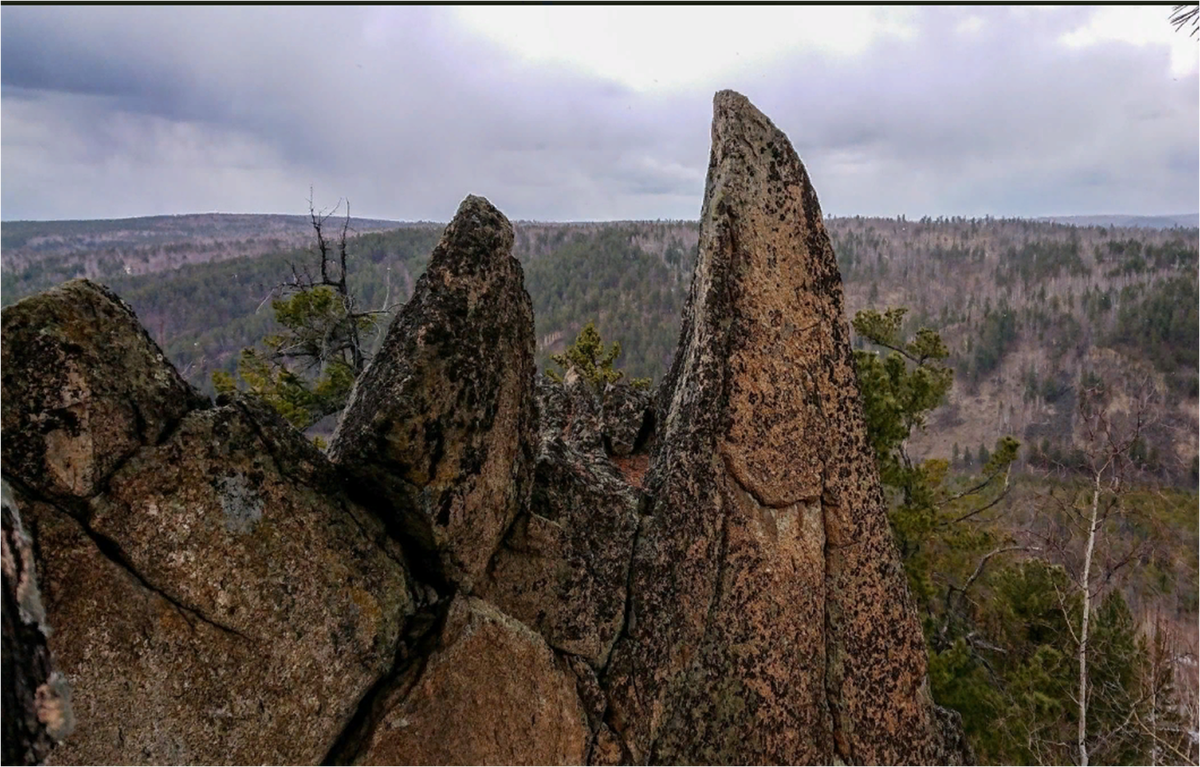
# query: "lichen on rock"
438 434
492 692
83 388
483 570
563 568
37 697
769 617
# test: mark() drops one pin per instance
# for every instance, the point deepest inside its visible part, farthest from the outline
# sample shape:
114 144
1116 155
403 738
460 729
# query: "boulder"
490 692
438 435
627 417
83 388
769 617
221 602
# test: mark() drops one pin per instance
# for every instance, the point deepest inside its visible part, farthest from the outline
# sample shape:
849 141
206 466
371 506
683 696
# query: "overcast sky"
590 113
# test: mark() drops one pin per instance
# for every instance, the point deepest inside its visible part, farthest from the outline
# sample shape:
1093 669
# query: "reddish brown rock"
220 602
492 692
217 596
769 618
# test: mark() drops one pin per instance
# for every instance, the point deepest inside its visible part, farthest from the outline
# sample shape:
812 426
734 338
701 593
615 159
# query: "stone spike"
770 620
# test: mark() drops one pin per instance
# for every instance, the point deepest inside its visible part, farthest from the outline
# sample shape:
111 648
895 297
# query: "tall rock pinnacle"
769 617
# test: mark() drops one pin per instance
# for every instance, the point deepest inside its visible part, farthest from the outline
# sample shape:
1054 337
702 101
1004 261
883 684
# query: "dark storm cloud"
131 111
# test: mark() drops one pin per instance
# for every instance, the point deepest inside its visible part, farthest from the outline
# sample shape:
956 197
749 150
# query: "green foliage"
897 392
203 315
1039 261
1000 630
1162 326
313 338
899 389
997 333
595 365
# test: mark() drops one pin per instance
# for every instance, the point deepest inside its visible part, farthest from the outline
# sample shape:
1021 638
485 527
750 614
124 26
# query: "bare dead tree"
341 334
1089 546
323 329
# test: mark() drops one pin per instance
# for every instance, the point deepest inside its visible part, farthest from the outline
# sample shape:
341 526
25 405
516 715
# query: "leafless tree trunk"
1085 620
1109 436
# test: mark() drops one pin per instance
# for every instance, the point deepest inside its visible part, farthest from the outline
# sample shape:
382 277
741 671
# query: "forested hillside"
41 254
1026 308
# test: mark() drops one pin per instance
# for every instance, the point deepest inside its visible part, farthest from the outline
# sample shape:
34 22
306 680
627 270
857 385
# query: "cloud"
134 111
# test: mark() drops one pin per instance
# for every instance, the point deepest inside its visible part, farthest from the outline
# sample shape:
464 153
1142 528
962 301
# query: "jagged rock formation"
439 430
479 572
84 387
564 566
214 595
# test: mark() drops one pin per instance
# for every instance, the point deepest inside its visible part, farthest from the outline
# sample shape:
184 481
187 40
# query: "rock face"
439 430
627 418
84 387
481 574
769 618
491 692
564 566
216 597
255 607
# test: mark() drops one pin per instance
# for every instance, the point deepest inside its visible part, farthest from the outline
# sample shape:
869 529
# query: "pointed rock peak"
730 109
767 517
765 312
478 234
438 434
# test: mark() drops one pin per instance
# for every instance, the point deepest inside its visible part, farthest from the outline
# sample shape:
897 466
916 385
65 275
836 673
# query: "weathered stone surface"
439 431
564 566
83 387
218 597
36 697
221 602
769 618
627 418
492 692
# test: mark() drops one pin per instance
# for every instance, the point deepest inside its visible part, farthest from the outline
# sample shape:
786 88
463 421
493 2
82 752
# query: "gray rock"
627 417
564 566
83 388
438 435
36 697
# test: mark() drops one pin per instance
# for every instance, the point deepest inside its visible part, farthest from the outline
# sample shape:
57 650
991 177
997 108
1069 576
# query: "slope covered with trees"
980 425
